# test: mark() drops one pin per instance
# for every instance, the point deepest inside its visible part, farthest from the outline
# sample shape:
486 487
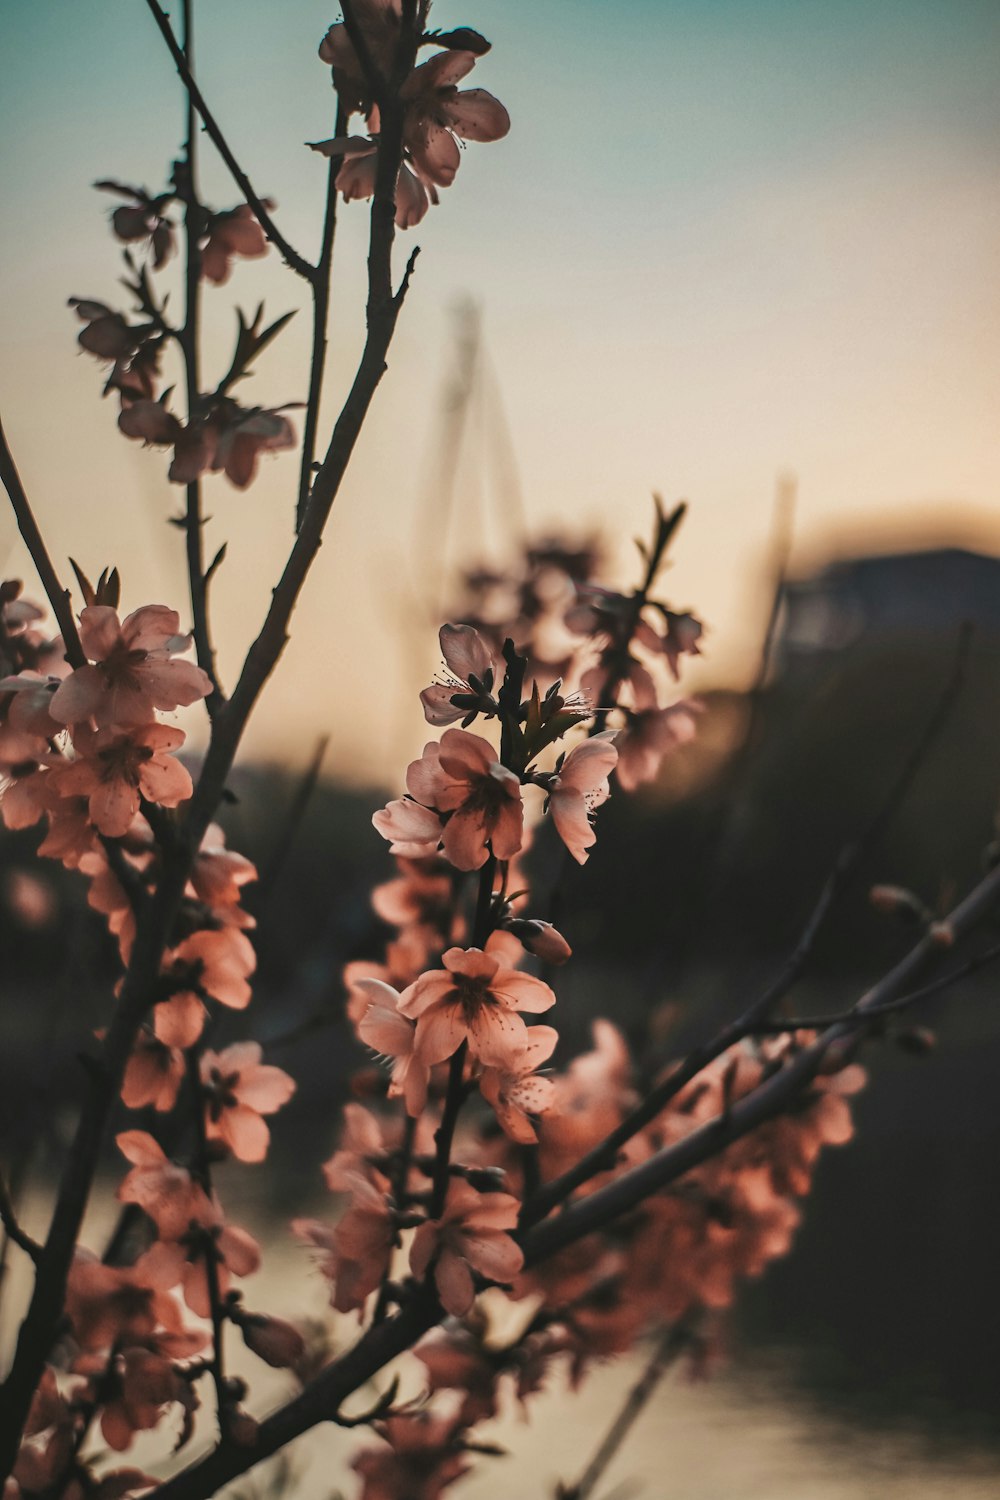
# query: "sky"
725 239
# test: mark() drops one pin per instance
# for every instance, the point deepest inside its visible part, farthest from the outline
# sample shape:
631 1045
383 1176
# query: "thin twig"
320 336
668 1346
291 256
201 1171
290 825
58 597
762 1103
189 339
12 1229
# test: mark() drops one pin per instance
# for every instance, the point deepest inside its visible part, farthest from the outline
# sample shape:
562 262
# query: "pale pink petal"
454 1283
440 1032
475 115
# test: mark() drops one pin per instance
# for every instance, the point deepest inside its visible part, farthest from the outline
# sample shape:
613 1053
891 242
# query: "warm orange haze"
498 958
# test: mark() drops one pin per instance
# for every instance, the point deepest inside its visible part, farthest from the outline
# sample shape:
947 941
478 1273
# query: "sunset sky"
722 240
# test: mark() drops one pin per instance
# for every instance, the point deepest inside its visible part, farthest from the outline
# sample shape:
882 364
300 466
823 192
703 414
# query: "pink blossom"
153 1075
466 655
412 830
236 232
108 334
515 1090
581 785
436 112
356 178
471 1235
141 219
161 1188
649 735
391 1034
183 1261
115 770
422 1460
239 1089
463 776
130 669
472 999
209 965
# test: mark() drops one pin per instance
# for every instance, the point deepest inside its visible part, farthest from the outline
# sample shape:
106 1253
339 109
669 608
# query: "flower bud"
540 938
273 1340
463 39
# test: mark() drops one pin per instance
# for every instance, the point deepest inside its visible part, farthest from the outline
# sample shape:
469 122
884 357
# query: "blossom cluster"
451 1011
83 751
220 435
366 60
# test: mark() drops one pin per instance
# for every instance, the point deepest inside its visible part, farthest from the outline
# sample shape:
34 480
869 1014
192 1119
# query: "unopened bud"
899 901
941 934
463 39
541 938
917 1040
273 1340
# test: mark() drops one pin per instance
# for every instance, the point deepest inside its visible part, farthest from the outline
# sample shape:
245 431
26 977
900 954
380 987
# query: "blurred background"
747 254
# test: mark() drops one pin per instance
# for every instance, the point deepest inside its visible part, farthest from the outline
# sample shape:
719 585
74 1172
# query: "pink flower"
412 830
142 219
471 1235
472 999
153 1075
356 178
209 965
466 656
423 1459
359 1248
234 232
238 1090
581 785
462 776
138 1388
130 670
114 770
108 334
391 1034
183 1261
515 1091
650 734
159 1186
436 112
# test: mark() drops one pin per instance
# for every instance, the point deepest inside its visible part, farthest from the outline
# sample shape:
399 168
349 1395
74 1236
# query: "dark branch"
298 263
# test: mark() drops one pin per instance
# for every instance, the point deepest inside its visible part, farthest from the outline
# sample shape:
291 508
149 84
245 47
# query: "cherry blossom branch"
201 1171
292 258
138 991
872 1016
669 1345
761 1104
189 340
321 312
846 867
12 1229
665 530
321 1398
58 597
319 1402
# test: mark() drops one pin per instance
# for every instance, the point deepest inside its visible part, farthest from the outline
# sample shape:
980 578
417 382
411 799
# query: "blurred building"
917 598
